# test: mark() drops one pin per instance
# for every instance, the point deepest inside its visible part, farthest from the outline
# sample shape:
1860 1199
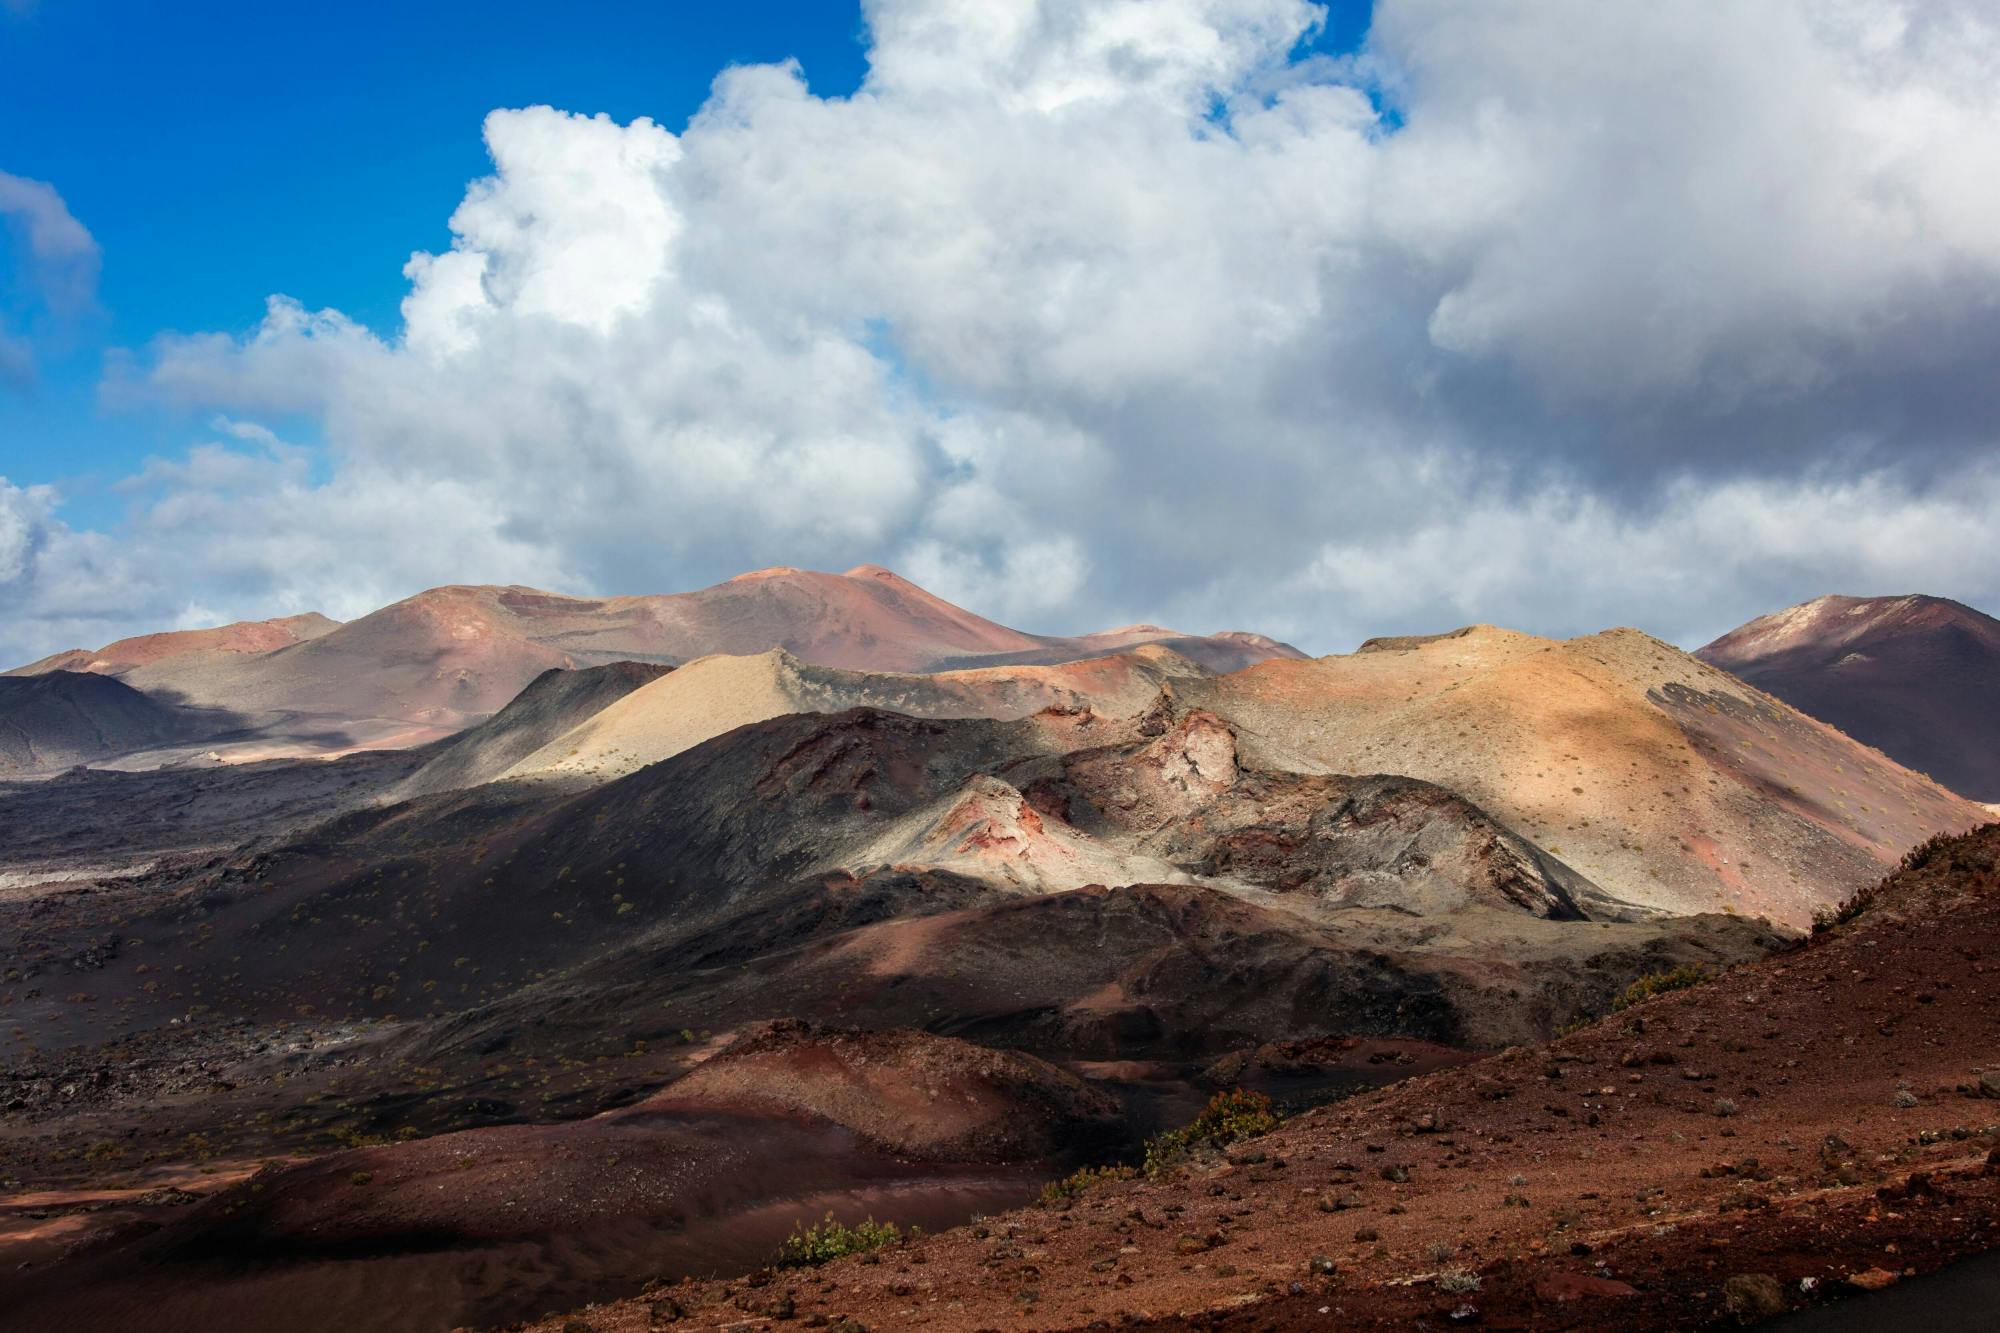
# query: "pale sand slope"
1666 781
714 695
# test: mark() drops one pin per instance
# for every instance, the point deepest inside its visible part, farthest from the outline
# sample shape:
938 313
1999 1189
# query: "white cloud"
57 261
1104 310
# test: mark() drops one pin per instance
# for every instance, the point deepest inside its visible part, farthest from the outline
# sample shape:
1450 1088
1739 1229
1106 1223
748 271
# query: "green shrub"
1229 1116
826 1241
1659 983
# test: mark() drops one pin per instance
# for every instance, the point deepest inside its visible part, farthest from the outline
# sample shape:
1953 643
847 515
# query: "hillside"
552 704
1801 1130
714 695
1664 780
1914 677
59 719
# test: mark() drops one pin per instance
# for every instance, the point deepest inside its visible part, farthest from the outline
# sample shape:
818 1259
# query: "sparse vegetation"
825 1241
1457 1282
1659 983
1079 1181
1228 1117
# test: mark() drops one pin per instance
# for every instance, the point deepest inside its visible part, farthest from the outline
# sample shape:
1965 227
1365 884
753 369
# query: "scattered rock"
1752 1297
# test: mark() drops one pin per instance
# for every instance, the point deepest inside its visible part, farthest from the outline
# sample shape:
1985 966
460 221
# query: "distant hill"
243 637
1916 677
439 661
64 718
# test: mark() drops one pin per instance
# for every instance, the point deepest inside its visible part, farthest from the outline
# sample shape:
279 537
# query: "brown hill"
245 636
1915 677
1797 1131
437 662
1665 781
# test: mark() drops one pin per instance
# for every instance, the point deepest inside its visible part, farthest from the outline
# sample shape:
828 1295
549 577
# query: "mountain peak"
1909 674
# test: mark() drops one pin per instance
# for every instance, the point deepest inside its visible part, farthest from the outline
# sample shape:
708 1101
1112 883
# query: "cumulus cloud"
1556 313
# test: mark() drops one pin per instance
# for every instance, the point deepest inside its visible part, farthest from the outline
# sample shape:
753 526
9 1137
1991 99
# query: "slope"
62 718
242 637
1799 1130
552 704
1912 676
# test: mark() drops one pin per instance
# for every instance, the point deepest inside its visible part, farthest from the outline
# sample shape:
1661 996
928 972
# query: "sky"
1324 321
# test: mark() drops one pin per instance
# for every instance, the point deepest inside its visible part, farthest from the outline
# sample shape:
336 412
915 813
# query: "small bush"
1228 1117
1076 1182
828 1240
1457 1282
1659 983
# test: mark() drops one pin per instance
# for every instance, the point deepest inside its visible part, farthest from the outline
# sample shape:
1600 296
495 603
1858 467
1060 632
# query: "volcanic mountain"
1915 677
1664 780
437 662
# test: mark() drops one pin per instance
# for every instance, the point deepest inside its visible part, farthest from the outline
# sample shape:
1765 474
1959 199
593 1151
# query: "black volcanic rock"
64 718
1912 676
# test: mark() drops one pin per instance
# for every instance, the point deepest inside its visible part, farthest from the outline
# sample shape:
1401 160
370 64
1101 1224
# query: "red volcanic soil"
1914 677
500 1223
1793 1132
244 636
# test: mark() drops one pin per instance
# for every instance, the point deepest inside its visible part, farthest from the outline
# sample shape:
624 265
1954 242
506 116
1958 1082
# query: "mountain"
1915 677
59 719
1667 782
437 662
243 637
